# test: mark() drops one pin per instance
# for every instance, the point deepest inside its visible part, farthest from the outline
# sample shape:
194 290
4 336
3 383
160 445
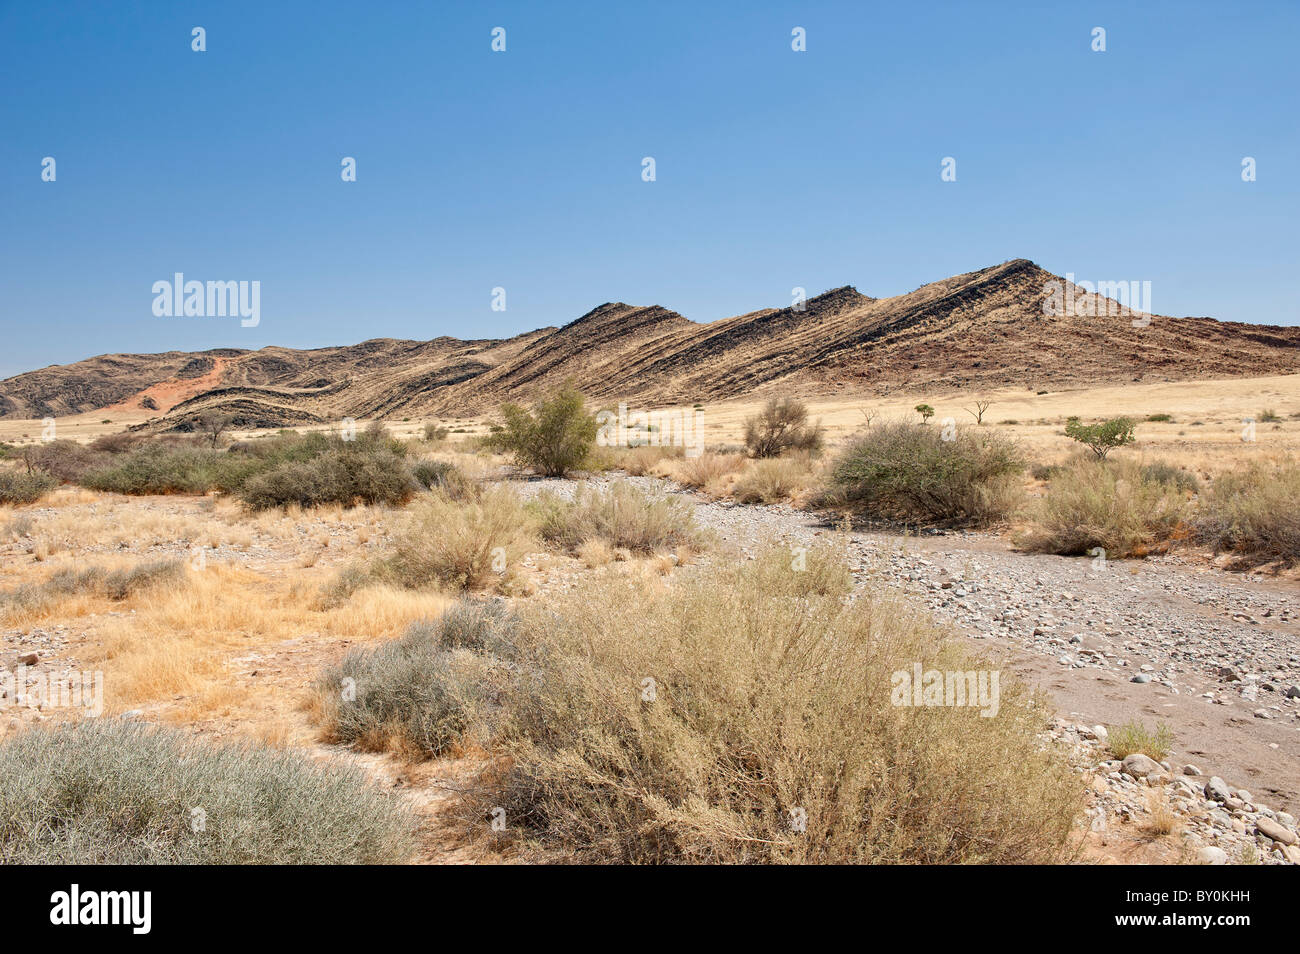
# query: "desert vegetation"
904 471
686 725
780 427
116 792
554 437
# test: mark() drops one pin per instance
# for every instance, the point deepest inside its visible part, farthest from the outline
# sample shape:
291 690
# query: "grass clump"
346 475
1133 737
422 695
113 792
771 481
1254 513
117 585
446 477
908 471
460 546
22 488
1178 477
1107 504
619 514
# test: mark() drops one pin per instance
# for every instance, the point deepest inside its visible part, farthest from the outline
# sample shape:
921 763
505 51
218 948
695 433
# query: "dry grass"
773 480
707 469
1133 737
1254 513
1108 504
1161 819
461 546
621 515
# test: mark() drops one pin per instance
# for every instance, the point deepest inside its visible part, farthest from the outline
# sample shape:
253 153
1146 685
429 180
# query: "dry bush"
782 426
32 600
115 792
773 480
460 546
904 471
1254 513
698 472
349 476
1107 504
639 461
767 697
446 477
621 515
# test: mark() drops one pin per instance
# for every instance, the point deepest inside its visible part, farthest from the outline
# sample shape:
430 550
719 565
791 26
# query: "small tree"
925 411
213 425
1103 437
555 437
781 426
980 408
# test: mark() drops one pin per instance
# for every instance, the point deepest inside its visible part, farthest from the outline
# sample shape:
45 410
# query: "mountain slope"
980 329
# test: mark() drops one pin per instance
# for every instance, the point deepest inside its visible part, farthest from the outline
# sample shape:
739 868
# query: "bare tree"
980 408
213 425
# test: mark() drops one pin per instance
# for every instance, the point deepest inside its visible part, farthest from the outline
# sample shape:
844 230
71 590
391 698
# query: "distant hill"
981 329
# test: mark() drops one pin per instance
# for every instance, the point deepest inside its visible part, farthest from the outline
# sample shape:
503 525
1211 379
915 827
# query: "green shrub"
346 475
1269 416
619 514
109 791
1107 504
169 469
909 471
1133 737
1254 513
557 436
22 488
1159 418
1103 437
782 426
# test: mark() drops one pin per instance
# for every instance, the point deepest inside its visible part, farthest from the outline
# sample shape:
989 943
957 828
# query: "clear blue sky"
522 169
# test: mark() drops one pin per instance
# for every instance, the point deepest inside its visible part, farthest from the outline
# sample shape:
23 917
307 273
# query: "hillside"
977 330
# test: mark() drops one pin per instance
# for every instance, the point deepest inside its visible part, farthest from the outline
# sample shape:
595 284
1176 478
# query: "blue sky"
522 169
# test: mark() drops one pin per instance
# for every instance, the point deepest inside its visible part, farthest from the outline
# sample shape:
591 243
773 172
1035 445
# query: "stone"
1141 677
1279 833
1190 769
28 659
1138 765
1216 789
1210 855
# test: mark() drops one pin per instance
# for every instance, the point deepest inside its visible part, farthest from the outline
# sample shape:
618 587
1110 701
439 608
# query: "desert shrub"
1269 416
436 432
1107 504
1133 737
782 426
411 696
346 475
553 438
771 481
900 470
708 468
1160 418
446 477
168 469
689 724
639 461
1165 473
1254 513
17 487
619 514
113 792
1044 471
65 460
462 546
118 443
1103 437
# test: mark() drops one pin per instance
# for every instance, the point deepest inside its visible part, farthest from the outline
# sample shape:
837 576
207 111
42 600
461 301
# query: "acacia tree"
213 424
925 411
980 408
1103 437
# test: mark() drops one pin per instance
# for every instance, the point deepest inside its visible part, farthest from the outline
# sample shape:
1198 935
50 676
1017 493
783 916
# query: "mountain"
982 329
